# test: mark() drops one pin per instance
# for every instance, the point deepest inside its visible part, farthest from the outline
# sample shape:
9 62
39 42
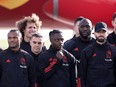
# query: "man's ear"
94 34
91 28
112 23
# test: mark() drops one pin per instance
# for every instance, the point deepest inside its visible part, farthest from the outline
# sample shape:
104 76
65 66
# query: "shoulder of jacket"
111 35
69 45
67 54
89 47
23 51
44 53
26 54
69 42
112 47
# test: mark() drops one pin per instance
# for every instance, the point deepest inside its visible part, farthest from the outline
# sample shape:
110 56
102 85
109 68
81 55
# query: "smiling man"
16 65
28 26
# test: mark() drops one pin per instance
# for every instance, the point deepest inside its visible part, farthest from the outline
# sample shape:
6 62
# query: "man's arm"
47 66
68 45
83 68
72 71
31 71
115 65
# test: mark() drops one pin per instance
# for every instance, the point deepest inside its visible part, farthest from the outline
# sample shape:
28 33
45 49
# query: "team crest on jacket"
8 60
23 61
76 49
108 54
94 55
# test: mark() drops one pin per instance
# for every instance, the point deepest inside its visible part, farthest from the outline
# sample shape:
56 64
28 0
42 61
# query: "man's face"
30 29
36 44
57 41
114 23
14 40
85 27
101 35
85 31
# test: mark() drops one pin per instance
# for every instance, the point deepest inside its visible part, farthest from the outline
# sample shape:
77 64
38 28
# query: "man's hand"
59 54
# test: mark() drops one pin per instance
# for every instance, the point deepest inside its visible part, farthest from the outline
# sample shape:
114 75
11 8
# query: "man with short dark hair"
112 36
36 43
76 45
98 61
16 65
56 66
